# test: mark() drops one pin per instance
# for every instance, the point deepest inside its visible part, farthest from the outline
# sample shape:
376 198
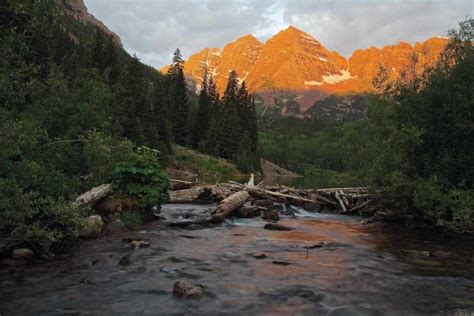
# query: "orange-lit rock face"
240 56
293 61
365 63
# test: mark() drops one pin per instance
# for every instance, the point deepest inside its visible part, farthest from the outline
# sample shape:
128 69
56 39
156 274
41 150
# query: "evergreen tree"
209 143
202 118
131 93
178 100
161 117
228 136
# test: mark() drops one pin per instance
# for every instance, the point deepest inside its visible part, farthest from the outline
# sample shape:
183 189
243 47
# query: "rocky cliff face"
365 63
240 55
293 63
78 10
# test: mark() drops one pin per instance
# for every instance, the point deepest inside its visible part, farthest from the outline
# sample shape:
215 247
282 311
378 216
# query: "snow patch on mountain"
313 83
335 78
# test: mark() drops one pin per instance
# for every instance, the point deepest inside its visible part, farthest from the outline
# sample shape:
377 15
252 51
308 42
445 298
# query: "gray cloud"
153 29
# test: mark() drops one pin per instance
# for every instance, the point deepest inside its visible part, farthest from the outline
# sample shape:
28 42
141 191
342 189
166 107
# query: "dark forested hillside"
75 108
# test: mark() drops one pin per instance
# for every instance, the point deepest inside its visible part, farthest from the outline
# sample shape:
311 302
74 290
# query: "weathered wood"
360 206
251 182
345 190
187 195
285 197
181 184
338 198
344 198
94 195
227 206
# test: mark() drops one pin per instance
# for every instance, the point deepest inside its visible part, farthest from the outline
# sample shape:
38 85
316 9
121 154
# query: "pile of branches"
233 196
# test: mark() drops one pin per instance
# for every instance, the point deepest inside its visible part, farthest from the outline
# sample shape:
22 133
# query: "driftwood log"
94 195
228 205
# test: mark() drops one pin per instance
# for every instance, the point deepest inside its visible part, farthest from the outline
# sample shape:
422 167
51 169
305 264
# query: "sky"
153 29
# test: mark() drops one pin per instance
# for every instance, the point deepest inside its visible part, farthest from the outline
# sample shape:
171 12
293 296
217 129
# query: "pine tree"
132 103
229 131
178 99
248 127
161 116
209 143
202 118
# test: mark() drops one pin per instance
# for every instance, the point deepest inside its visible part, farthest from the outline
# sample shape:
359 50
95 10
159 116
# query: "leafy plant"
131 219
142 178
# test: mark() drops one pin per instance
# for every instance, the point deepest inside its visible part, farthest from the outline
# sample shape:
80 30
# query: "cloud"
153 29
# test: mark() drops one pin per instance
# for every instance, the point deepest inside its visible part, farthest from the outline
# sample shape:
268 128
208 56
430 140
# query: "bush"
142 179
451 208
132 220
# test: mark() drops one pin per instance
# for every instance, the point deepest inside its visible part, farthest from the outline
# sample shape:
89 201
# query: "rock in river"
185 289
23 253
125 261
116 226
273 226
92 227
271 216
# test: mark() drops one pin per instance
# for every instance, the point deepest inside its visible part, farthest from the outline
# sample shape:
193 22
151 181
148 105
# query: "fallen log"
194 195
181 184
360 206
227 206
345 190
94 195
341 203
280 196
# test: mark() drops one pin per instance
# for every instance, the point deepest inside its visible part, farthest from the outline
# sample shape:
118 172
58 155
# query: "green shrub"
132 220
101 154
44 222
142 178
451 208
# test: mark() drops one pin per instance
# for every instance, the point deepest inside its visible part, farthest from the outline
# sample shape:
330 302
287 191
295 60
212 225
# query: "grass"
208 168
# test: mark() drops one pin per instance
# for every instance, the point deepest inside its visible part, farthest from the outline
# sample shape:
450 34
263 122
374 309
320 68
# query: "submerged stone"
23 253
92 226
185 289
273 226
116 226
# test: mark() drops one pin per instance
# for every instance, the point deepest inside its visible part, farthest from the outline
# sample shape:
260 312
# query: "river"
354 269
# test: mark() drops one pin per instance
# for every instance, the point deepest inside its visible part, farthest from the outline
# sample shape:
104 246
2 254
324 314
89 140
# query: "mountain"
365 63
78 10
240 55
294 68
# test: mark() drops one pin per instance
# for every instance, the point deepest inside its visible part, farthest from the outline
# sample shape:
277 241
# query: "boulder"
140 244
125 261
274 226
247 212
185 289
23 253
259 255
263 203
271 216
93 226
116 226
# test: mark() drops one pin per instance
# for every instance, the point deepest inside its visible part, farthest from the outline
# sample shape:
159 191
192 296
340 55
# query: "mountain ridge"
292 61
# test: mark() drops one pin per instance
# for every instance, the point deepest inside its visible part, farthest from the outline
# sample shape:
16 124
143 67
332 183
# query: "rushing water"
360 270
